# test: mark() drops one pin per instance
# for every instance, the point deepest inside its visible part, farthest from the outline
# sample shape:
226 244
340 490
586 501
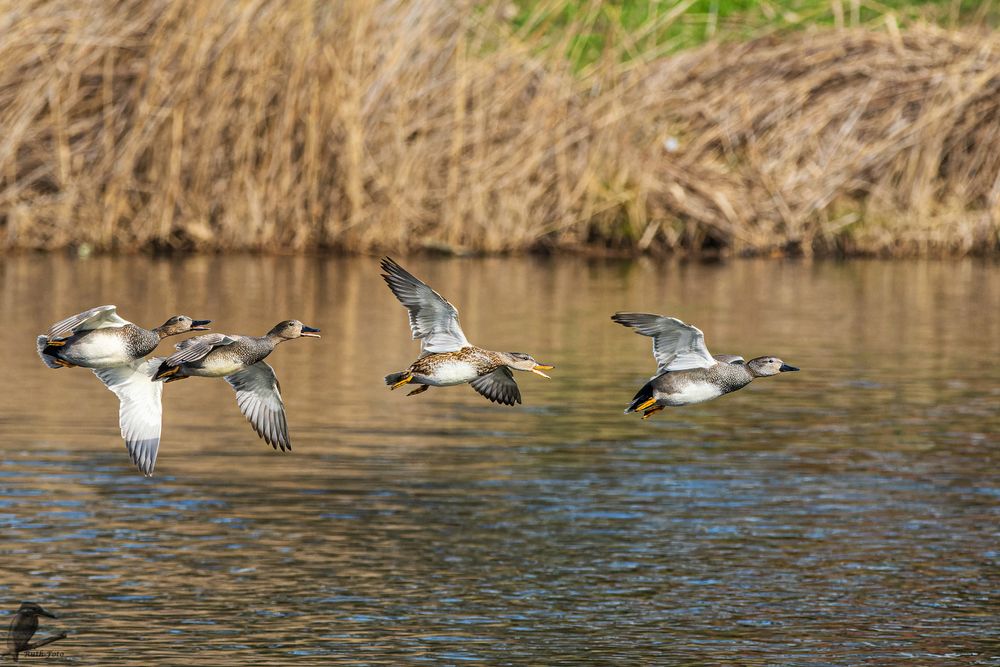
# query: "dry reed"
855 141
374 124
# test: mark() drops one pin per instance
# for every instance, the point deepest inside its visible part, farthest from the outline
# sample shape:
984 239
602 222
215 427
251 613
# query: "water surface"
844 515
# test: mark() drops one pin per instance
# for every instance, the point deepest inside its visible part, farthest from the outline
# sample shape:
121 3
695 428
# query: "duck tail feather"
641 397
166 372
393 378
41 343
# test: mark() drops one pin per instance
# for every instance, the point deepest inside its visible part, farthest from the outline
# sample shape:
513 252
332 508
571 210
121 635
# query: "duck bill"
310 332
537 370
785 368
200 325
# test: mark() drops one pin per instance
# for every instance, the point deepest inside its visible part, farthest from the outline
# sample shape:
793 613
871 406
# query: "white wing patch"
140 408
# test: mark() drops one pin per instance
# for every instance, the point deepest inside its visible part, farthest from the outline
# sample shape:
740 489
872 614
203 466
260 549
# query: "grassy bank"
585 31
369 125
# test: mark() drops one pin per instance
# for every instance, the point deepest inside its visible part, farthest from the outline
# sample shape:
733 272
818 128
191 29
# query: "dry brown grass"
857 141
373 125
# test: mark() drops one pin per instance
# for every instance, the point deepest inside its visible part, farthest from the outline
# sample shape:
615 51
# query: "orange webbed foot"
649 402
652 411
407 379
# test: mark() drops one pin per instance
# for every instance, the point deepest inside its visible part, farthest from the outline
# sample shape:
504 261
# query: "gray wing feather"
498 386
259 397
676 346
193 349
95 318
140 408
432 319
729 358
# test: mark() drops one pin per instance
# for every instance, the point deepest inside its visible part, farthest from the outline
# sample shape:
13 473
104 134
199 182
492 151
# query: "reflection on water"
841 515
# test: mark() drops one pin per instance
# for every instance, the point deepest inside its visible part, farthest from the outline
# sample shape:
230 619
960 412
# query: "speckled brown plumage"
485 361
447 358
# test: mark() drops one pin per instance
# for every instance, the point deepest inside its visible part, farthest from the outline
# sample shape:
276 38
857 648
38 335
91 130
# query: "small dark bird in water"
23 627
446 356
114 349
240 360
686 373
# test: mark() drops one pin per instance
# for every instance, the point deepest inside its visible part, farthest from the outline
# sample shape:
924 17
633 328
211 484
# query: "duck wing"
259 396
95 318
498 386
193 349
729 358
139 410
676 346
432 319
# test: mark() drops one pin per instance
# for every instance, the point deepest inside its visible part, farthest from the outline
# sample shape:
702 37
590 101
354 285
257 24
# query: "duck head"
764 366
179 324
290 329
520 361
